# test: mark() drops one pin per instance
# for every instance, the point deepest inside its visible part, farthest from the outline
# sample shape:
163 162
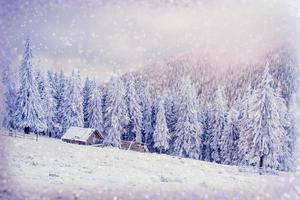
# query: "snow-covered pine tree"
10 95
94 108
286 157
53 125
201 120
171 116
219 123
170 111
207 132
188 129
161 133
53 84
242 104
86 93
146 104
134 111
229 139
29 112
47 103
60 96
264 140
42 92
76 99
72 103
50 77
116 113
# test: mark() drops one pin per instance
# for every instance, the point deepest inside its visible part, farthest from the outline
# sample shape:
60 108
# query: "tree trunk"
26 130
261 161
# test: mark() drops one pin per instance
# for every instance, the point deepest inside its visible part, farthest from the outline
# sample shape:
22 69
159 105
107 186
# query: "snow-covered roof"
79 134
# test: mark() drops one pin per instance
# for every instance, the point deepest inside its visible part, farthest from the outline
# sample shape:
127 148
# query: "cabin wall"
94 139
73 141
134 146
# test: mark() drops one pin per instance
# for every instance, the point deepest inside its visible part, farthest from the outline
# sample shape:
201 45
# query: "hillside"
61 170
209 73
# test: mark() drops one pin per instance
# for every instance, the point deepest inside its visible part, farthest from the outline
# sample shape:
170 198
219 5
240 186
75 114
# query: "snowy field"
50 168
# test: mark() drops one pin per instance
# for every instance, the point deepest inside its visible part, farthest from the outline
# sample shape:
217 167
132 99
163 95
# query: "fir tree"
264 139
116 113
207 137
170 111
243 106
61 99
229 139
171 117
86 93
188 128
10 105
72 103
94 109
161 132
219 123
286 156
47 103
29 113
146 104
134 111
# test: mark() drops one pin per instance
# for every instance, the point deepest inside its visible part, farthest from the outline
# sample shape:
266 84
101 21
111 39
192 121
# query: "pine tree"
161 132
188 128
10 105
29 113
219 123
288 122
47 103
171 117
201 119
243 106
94 109
53 85
229 139
50 77
76 100
146 104
72 103
60 96
134 111
170 111
286 156
207 136
264 139
86 93
116 113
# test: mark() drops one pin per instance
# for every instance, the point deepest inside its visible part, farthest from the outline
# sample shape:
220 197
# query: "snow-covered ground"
57 170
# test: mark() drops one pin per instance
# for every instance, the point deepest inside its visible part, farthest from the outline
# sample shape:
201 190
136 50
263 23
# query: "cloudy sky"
101 36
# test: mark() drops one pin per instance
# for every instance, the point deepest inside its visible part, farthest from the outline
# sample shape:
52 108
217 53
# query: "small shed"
85 136
134 146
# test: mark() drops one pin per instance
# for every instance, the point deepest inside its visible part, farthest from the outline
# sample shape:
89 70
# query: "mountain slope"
52 168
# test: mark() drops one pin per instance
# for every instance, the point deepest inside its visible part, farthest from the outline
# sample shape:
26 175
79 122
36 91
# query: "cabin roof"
80 134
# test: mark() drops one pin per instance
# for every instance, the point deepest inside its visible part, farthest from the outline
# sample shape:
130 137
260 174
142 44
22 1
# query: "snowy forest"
237 117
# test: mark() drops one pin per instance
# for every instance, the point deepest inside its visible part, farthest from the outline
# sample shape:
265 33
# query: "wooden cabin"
134 146
84 136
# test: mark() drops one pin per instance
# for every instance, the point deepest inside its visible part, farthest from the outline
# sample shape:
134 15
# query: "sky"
100 37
